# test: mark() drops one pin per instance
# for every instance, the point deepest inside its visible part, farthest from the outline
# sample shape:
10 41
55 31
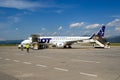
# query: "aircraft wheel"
69 46
65 47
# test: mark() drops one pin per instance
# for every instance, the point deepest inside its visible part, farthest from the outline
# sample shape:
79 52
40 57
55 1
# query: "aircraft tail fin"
101 32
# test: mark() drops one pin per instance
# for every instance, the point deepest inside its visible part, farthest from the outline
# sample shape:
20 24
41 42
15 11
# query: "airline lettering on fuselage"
44 40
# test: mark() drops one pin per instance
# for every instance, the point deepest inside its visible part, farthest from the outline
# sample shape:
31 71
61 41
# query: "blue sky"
20 18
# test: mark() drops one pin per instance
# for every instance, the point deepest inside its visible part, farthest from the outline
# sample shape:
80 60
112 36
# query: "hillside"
115 39
11 42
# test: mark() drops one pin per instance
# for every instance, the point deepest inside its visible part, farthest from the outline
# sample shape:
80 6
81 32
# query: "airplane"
66 41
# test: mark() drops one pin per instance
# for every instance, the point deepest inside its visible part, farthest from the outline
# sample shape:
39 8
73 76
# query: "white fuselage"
66 41
61 41
58 41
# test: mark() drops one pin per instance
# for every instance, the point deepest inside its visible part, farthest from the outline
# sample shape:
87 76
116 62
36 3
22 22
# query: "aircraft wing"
75 41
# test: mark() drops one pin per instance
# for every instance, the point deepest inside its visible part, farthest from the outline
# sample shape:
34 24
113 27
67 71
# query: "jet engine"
60 45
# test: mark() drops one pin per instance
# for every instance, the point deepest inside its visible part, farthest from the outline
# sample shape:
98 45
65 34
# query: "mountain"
115 39
11 42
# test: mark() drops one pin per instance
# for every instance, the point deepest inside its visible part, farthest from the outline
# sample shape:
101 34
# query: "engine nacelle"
60 45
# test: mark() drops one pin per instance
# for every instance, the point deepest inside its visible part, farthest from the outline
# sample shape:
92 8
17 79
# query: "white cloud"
14 19
58 11
2 39
16 29
76 25
92 26
117 29
43 29
60 28
5 25
20 4
115 16
55 33
114 27
115 22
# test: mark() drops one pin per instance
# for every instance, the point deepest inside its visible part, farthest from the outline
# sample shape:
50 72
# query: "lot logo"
44 40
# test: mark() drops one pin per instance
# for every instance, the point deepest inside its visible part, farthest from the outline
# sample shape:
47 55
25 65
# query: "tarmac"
79 63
